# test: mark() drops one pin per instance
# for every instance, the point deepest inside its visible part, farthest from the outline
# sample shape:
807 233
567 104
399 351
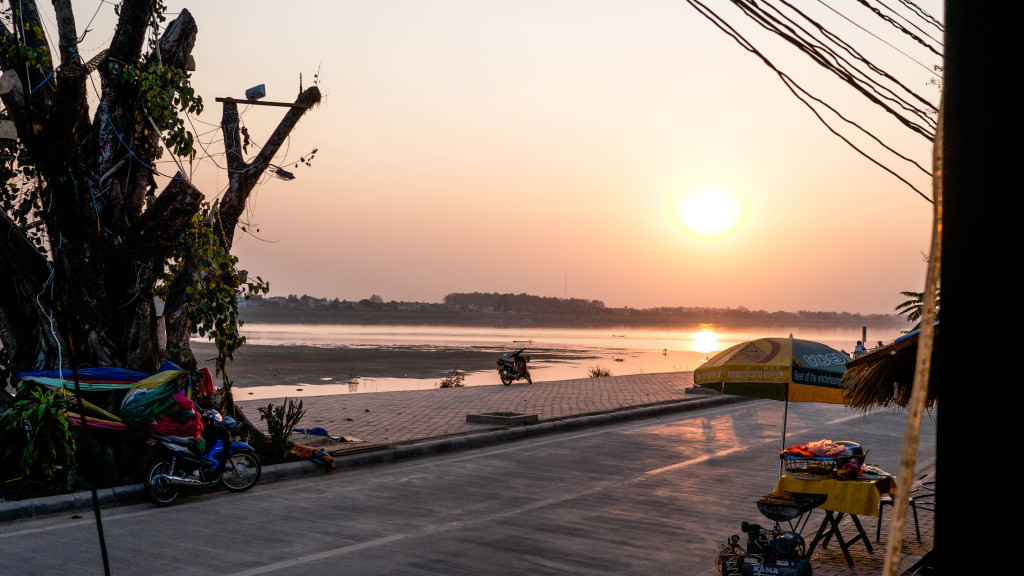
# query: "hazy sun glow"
709 213
705 341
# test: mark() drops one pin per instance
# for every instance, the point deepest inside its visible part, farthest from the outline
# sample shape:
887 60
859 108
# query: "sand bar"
261 365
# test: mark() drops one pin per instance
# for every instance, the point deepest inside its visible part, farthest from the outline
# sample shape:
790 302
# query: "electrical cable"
839 66
898 26
828 59
877 37
924 15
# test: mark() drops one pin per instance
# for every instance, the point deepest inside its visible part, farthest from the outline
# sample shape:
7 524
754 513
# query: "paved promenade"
418 415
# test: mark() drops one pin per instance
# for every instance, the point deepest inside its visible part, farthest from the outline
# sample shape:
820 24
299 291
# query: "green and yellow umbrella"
787 369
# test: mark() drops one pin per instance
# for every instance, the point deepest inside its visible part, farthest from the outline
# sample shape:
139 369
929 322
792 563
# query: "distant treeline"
496 309
521 303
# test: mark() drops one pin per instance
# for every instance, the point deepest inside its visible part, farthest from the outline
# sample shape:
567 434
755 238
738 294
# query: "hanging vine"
215 291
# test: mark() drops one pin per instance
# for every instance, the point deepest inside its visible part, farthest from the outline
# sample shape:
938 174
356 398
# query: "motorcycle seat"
180 440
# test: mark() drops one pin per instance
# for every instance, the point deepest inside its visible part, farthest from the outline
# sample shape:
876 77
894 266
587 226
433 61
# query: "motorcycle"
174 462
512 366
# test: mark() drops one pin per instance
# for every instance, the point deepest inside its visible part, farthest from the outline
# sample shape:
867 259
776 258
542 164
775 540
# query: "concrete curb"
135 493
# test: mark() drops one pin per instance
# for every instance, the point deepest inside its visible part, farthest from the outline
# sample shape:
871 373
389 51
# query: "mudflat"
263 365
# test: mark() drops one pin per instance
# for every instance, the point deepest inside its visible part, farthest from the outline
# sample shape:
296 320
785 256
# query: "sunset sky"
546 147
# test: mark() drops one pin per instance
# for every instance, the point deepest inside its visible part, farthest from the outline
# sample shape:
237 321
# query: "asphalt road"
653 496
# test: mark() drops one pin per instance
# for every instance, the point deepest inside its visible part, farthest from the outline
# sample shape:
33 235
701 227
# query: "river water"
562 353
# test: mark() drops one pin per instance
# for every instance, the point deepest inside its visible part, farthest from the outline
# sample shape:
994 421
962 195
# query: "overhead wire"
826 57
898 26
923 15
99 5
875 36
815 47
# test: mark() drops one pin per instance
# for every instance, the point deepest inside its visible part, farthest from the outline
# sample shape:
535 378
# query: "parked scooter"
512 366
174 462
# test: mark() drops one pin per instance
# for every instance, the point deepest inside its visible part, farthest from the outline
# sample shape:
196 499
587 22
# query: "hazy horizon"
683 306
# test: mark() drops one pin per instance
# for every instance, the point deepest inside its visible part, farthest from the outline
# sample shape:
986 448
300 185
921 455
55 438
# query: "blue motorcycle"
174 462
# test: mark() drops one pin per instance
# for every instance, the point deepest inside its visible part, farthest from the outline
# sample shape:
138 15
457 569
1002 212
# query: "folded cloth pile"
820 449
318 456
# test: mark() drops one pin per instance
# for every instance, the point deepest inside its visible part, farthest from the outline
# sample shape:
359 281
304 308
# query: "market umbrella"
787 369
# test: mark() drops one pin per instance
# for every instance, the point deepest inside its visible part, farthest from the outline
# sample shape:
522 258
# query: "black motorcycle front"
770 550
512 367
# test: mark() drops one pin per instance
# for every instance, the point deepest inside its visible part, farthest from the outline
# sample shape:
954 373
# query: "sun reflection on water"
705 341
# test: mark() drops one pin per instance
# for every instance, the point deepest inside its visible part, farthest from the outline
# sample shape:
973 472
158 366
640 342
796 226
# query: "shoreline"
258 365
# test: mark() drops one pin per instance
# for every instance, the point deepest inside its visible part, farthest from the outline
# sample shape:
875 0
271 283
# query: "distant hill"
511 310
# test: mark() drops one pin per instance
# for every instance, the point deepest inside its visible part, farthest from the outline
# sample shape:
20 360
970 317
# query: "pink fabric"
184 421
76 420
207 386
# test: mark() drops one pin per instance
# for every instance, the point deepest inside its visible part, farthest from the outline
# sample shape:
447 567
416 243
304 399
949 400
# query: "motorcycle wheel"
506 378
241 473
160 491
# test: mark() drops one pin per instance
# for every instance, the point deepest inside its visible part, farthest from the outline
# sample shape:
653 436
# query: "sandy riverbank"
260 365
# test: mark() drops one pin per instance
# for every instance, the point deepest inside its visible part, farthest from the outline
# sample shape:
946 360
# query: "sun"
709 213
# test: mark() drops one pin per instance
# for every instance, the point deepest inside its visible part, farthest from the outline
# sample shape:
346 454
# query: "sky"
546 147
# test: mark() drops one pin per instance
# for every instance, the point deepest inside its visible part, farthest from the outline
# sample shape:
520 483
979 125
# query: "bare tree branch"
115 119
66 30
130 34
178 40
162 223
243 177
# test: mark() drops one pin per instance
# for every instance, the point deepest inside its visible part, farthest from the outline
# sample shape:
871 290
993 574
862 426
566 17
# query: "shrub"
598 372
281 420
455 379
36 440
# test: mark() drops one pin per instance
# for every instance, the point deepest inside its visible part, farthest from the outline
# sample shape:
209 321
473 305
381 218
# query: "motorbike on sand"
512 366
174 462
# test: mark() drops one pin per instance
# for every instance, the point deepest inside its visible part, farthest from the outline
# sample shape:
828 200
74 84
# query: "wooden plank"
260 102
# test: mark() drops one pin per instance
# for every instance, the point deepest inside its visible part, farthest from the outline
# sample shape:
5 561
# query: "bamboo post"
922 371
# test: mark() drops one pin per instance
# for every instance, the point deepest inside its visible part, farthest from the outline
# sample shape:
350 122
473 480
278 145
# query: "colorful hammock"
152 402
102 379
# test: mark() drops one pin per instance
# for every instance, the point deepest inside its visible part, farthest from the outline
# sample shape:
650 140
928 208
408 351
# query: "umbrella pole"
785 414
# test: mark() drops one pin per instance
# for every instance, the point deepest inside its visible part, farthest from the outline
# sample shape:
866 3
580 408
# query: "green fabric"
150 398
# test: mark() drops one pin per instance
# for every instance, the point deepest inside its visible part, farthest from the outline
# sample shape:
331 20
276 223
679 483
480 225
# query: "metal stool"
886 500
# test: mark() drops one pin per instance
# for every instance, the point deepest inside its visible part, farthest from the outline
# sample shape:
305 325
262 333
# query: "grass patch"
455 379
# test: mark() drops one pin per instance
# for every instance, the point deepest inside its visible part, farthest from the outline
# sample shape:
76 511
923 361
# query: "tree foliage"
913 307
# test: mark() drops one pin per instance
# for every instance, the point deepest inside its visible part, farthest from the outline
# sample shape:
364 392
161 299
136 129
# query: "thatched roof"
885 376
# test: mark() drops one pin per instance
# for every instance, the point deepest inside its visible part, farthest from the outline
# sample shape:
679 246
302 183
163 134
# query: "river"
561 353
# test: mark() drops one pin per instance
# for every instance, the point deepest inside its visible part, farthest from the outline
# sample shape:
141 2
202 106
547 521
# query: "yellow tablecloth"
858 497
